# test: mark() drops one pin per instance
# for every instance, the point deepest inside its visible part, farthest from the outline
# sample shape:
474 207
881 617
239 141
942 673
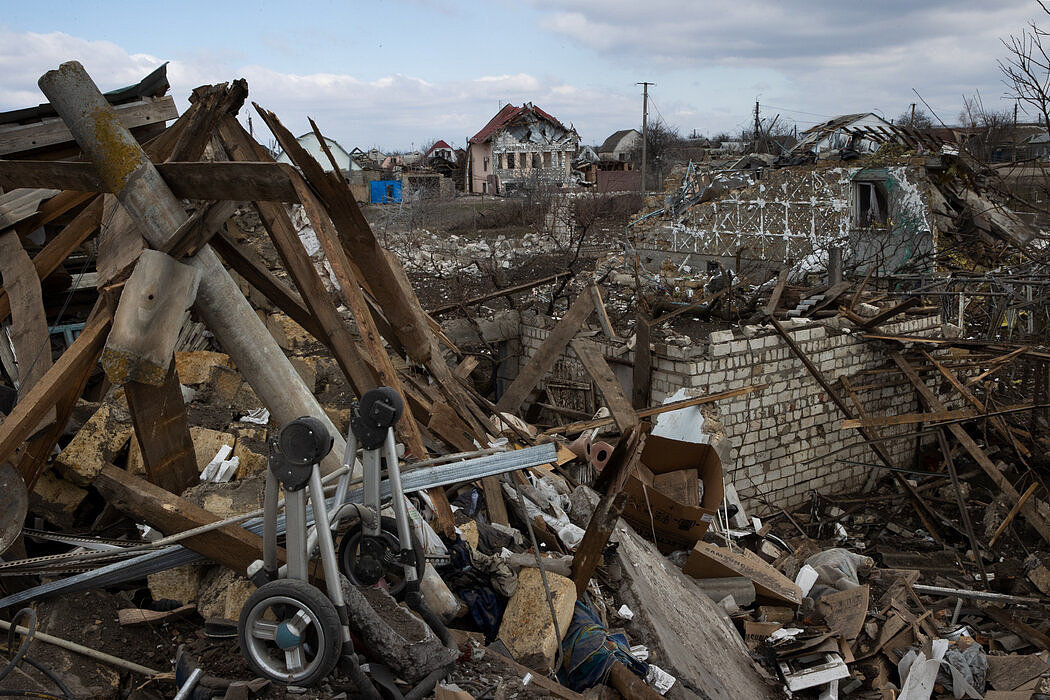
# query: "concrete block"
99 441
181 583
207 442
718 337
527 628
196 367
691 637
56 499
223 594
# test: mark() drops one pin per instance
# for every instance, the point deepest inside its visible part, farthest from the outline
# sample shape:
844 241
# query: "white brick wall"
786 438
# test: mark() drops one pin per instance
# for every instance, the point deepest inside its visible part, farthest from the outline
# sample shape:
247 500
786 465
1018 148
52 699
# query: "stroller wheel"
290 633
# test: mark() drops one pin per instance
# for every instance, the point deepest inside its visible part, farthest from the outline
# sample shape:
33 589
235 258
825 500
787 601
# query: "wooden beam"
910 419
333 331
548 352
580 426
60 247
506 291
231 546
153 306
609 484
601 313
1028 509
609 386
29 332
211 180
77 360
998 423
778 290
163 432
52 132
703 300
1013 513
465 367
997 364
361 245
642 372
889 313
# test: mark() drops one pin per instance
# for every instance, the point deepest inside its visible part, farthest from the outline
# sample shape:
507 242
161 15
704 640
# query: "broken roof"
440 144
610 144
153 85
507 115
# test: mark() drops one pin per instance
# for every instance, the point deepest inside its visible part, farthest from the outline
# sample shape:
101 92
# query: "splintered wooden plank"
77 360
398 303
609 484
609 386
163 432
889 313
29 333
119 243
1029 509
600 312
910 419
27 137
778 290
540 363
333 331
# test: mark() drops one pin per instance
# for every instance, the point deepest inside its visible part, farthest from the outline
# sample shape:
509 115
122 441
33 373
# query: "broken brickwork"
787 439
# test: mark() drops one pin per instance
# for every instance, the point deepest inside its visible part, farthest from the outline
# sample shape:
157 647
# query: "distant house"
518 146
621 146
440 150
842 132
312 145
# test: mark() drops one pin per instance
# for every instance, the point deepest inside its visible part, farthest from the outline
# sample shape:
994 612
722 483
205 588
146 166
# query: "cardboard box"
709 561
677 525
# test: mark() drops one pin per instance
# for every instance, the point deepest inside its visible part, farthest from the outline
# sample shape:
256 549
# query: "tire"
392 568
303 619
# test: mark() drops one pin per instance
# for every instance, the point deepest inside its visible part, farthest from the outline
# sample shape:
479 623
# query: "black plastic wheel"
365 560
289 632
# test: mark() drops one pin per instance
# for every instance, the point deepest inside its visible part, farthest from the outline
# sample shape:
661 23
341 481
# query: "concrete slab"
688 635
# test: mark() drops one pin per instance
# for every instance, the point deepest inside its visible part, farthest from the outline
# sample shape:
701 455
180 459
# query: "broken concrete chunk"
55 499
223 594
229 499
181 583
99 442
196 367
287 332
527 629
394 634
206 443
307 369
687 634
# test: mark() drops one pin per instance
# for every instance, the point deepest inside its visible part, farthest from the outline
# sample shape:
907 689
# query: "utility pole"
645 122
912 123
754 146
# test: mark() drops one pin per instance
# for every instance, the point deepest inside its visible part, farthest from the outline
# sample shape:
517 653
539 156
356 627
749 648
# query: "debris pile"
195 328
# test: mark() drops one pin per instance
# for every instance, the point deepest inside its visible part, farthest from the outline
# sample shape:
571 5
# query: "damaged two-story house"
520 146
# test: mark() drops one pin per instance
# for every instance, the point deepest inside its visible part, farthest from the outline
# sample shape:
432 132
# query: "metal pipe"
187 688
270 523
977 595
128 173
83 650
397 494
322 530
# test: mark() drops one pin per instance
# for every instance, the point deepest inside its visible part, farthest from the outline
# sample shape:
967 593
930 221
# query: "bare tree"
1026 68
915 118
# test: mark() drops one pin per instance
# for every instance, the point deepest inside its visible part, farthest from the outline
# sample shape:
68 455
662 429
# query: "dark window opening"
870 204
510 161
537 161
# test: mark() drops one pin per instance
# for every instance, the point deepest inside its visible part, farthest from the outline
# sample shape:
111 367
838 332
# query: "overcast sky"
398 74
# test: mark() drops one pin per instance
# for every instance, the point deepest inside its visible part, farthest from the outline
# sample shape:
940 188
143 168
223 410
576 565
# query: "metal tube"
270 522
372 475
976 595
81 649
128 173
295 539
393 475
187 688
323 533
